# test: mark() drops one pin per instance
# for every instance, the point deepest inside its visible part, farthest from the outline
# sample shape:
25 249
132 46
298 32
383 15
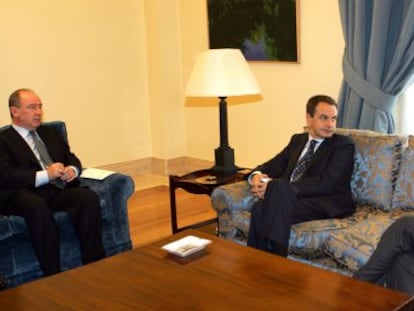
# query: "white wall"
115 71
87 61
260 129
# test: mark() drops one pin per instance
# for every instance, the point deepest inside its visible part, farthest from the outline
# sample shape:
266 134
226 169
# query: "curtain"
404 111
378 61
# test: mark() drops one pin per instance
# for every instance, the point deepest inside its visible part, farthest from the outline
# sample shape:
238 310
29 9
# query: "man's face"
323 122
29 113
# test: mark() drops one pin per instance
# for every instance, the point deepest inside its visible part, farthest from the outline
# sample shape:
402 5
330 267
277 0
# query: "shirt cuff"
249 179
76 170
41 178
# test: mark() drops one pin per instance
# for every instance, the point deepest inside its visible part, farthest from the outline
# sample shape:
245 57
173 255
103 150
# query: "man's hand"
58 170
68 174
259 185
55 170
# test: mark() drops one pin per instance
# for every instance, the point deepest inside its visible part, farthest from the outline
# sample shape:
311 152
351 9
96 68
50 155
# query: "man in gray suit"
392 262
308 180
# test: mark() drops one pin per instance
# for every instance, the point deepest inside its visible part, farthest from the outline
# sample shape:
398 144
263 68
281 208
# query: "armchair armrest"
114 192
5 228
231 197
118 185
231 202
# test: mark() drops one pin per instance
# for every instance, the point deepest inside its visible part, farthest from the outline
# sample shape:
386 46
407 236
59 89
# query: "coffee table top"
222 276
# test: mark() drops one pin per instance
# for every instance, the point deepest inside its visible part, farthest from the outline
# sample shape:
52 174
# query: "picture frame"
264 30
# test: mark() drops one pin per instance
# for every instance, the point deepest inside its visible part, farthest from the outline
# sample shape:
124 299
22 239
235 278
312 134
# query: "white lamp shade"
221 73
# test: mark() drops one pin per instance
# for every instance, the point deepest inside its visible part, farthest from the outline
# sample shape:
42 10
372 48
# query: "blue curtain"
378 61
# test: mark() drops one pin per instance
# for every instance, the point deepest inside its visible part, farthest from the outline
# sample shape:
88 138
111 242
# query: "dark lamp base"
224 164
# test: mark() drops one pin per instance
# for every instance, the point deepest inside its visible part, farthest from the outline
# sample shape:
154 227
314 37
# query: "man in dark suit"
308 180
38 176
392 262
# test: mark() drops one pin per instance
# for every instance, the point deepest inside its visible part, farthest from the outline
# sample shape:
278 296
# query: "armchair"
18 263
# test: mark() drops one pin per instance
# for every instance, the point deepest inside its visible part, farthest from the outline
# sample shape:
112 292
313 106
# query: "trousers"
272 217
38 208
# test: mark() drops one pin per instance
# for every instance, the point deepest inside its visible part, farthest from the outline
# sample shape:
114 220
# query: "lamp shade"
221 73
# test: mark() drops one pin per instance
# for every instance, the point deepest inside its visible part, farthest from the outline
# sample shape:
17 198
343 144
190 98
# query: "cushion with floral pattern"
376 165
354 245
404 186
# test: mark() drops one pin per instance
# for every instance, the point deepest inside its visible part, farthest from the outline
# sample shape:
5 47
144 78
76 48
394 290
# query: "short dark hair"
315 100
14 98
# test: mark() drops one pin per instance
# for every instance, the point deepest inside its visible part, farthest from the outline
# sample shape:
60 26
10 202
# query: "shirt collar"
318 140
21 130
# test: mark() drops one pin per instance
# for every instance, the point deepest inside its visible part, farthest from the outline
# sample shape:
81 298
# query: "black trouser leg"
401 275
44 236
42 228
391 260
272 217
83 208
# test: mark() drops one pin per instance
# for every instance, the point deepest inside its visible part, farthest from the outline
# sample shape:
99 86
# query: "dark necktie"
45 158
302 164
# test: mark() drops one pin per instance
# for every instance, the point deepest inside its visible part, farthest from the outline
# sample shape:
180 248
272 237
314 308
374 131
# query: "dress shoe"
276 248
3 283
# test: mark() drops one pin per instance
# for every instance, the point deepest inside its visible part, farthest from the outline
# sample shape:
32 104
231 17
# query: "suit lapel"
325 145
297 149
22 145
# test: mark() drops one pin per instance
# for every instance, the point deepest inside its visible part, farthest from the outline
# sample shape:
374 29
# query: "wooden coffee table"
224 276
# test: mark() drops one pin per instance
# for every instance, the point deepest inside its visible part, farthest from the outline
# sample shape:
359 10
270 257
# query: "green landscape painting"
264 30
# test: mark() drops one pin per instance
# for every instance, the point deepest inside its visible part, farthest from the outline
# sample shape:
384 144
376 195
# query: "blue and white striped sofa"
383 189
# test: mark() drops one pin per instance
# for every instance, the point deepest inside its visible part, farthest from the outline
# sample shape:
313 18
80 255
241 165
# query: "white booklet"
96 173
186 246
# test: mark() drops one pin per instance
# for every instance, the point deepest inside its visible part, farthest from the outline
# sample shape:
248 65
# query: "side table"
200 182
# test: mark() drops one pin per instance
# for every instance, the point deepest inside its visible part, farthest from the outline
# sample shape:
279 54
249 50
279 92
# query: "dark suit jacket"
328 175
18 164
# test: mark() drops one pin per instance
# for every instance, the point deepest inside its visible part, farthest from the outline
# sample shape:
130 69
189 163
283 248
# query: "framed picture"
264 30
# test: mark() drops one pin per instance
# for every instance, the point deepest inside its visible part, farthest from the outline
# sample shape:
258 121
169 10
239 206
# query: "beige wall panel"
87 61
259 129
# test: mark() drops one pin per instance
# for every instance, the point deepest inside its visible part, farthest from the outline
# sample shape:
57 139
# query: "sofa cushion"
377 161
306 238
354 245
404 186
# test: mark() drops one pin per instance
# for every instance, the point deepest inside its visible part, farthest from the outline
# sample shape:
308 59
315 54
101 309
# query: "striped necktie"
45 158
302 164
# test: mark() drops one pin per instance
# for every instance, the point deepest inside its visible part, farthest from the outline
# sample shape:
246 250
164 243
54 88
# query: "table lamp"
222 73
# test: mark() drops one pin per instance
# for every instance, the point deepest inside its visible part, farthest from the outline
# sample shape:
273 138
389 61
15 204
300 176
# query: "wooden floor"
149 213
